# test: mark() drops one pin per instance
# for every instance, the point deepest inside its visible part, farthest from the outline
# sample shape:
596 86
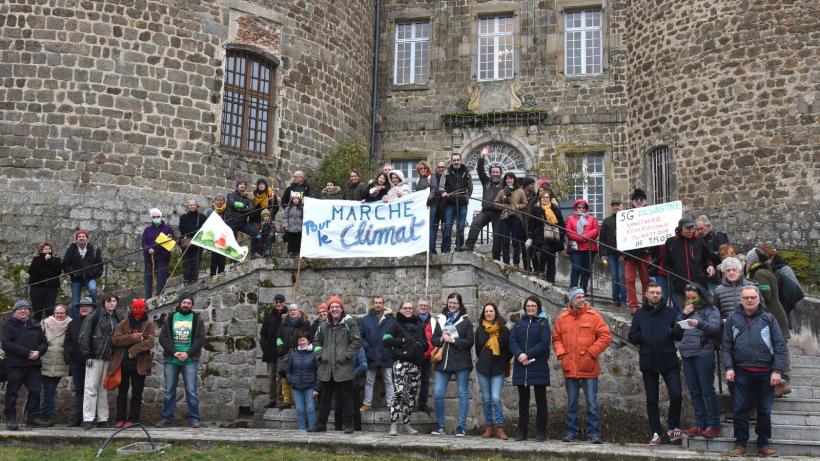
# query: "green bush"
805 268
350 155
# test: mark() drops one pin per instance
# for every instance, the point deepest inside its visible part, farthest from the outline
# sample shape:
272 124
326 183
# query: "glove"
238 205
89 363
528 243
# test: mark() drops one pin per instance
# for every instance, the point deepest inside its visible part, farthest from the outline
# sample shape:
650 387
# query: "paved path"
420 446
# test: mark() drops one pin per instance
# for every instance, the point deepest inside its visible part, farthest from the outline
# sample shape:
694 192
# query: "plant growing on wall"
350 155
562 173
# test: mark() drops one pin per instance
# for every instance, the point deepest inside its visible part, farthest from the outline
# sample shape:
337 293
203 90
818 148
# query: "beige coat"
54 365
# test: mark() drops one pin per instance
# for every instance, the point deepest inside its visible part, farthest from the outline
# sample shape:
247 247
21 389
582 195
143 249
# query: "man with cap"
74 357
611 256
636 262
336 344
182 338
579 337
24 343
96 347
687 260
83 264
267 336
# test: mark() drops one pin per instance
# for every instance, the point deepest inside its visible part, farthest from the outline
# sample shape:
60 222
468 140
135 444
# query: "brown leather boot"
500 434
488 431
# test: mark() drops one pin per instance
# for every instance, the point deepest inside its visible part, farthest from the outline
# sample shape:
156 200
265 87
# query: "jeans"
491 397
442 379
189 376
217 264
190 264
424 386
651 384
136 382
76 291
17 377
635 268
540 409
43 300
447 230
484 218
617 278
752 387
78 384
573 387
700 380
161 268
512 232
304 407
545 262
581 268
663 281
49 407
95 395
387 377
435 221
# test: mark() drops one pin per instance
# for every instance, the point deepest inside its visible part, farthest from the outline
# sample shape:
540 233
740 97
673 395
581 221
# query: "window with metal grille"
591 186
583 49
248 103
660 174
496 40
412 63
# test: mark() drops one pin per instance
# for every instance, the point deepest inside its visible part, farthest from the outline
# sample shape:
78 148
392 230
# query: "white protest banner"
348 229
647 226
216 236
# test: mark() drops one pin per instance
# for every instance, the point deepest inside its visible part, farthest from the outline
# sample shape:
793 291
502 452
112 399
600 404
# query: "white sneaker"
394 429
656 440
408 429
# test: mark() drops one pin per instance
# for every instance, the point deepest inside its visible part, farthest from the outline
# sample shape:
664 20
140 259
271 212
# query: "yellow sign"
165 242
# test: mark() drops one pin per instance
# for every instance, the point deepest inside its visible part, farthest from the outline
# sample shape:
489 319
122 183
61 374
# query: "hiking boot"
317 428
87 425
394 429
407 429
767 452
364 408
674 434
737 452
656 440
710 432
500 434
489 431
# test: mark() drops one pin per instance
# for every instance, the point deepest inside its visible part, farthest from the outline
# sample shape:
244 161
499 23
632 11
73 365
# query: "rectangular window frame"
407 166
583 31
596 177
416 43
660 174
496 37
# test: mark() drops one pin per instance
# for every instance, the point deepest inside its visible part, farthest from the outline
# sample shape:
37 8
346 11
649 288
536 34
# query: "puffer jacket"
128 343
753 341
531 336
292 219
302 368
19 339
335 346
398 190
459 354
406 334
97 334
579 338
701 340
770 291
588 238
53 364
652 331
373 332
727 295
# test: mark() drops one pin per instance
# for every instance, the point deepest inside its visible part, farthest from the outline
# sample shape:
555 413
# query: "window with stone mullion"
411 63
496 42
247 107
583 48
591 187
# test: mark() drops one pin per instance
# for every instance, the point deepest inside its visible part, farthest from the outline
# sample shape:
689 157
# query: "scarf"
582 223
424 317
308 348
262 198
451 317
494 330
55 328
548 213
220 209
695 302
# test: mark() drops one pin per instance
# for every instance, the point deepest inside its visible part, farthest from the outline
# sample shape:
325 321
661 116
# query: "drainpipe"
374 97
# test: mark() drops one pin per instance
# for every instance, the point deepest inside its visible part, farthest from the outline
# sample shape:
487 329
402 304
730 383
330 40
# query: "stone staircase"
795 418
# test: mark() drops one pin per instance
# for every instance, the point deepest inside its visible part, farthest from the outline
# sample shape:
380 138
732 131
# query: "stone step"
790 403
796 418
725 445
805 378
372 421
804 392
779 432
806 361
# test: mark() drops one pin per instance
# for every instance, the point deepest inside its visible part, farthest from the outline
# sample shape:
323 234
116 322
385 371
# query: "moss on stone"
208 371
251 297
266 283
245 343
219 344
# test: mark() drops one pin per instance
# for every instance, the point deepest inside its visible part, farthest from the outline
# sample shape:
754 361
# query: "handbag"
113 380
551 233
572 245
437 355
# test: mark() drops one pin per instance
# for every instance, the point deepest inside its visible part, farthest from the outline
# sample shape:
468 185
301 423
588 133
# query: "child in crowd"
292 225
301 375
268 232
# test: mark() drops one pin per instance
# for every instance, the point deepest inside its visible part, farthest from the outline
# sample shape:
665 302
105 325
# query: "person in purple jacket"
156 257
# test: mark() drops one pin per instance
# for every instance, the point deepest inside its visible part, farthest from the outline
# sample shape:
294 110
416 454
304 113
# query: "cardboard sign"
647 226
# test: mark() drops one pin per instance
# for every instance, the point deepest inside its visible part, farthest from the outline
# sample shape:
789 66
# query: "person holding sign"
582 230
157 243
636 262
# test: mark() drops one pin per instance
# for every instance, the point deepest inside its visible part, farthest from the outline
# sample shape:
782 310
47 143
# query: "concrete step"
805 378
804 392
725 444
779 432
790 403
806 361
796 418
372 421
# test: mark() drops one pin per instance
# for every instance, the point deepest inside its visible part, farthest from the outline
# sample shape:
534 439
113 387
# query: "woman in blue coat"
530 341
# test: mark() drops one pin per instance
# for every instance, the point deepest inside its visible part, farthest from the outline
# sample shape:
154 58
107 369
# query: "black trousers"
424 386
42 301
294 242
484 218
190 264
217 263
540 409
357 414
137 384
343 393
23 376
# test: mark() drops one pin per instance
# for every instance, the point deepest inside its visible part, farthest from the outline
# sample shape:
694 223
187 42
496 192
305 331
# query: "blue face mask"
157 221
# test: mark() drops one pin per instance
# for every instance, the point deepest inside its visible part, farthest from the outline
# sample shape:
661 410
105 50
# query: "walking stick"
153 276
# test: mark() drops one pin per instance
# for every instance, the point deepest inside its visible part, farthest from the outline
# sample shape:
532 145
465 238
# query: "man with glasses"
428 323
489 213
456 190
686 260
268 335
754 357
356 189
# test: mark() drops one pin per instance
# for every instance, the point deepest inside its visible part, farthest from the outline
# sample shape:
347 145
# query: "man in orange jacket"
579 337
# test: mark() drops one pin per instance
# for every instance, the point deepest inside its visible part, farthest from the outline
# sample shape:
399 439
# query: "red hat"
138 303
320 306
335 299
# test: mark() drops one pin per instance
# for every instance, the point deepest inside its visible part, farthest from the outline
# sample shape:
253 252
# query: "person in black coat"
44 281
267 341
546 251
652 331
24 343
407 343
492 349
687 259
189 224
83 264
530 341
75 358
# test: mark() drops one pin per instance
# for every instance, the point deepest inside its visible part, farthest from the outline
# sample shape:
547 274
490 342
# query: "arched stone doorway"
508 156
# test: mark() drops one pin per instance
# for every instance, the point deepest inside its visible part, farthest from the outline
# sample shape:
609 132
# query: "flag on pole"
216 236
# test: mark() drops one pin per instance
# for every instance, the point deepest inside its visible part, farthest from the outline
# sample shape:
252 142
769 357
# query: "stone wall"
732 89
112 107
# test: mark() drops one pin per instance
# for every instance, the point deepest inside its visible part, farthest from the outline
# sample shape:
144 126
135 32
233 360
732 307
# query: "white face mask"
157 221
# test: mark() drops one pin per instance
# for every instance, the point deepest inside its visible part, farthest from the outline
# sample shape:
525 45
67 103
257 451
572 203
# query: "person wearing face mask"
217 260
133 340
155 256
189 223
43 279
182 338
96 347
